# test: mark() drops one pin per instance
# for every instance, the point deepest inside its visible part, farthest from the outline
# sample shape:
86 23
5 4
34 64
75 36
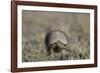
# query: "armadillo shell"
55 36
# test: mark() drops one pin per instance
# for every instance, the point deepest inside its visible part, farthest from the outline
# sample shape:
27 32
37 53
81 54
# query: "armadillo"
56 41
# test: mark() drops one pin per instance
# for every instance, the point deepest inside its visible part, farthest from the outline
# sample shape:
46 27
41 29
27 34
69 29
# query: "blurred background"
36 25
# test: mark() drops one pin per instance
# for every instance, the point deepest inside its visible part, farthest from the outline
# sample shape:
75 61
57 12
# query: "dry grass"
37 24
